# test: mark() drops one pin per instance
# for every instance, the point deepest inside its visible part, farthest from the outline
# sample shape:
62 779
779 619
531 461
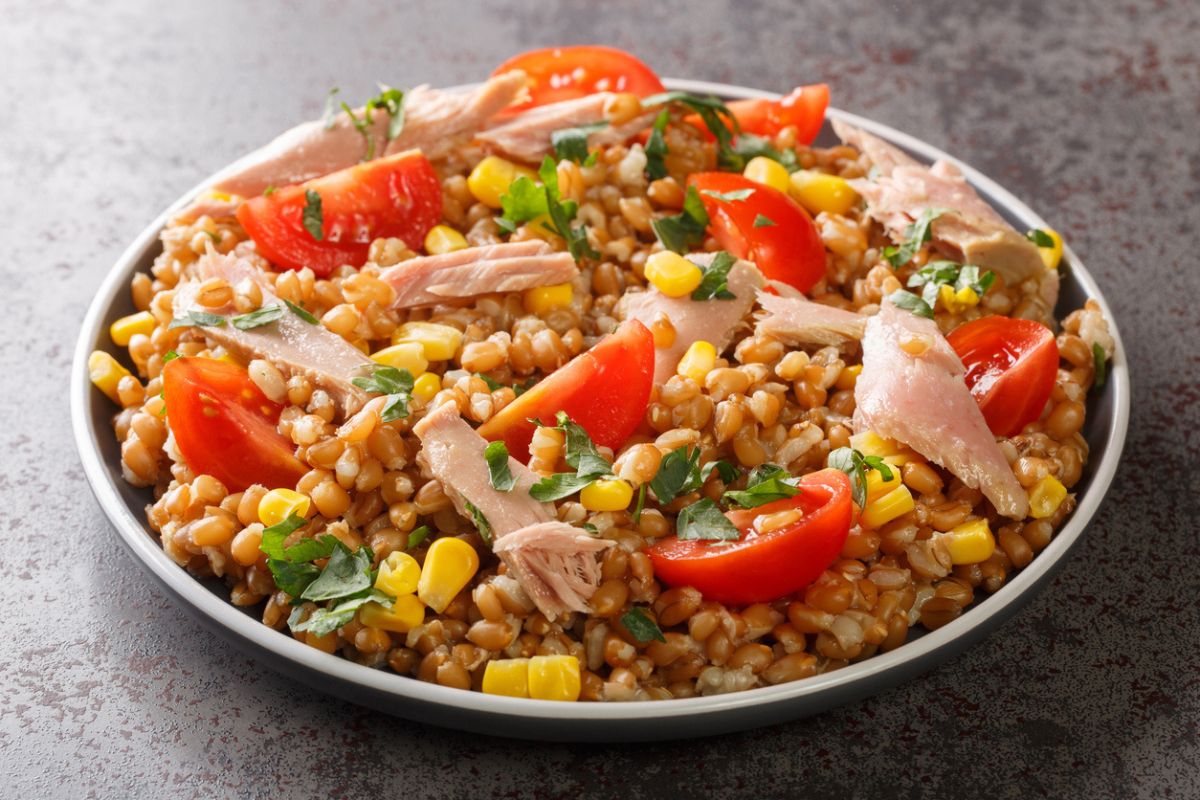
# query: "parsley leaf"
301 312
641 627
329 116
656 147
170 356
748 146
855 465
327 620
715 115
481 524
765 484
736 195
274 536
678 474
1040 238
391 101
935 274
347 572
201 319
910 302
640 504
916 234
715 283
1101 366
579 452
557 486
256 319
292 578
685 230
397 384
571 144
727 472
562 212
416 537
363 126
314 221
763 221
703 520
501 477
523 201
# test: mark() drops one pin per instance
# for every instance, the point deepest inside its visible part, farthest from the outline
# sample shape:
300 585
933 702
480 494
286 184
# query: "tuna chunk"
474 271
526 136
713 321
921 401
554 562
293 346
797 321
968 231
434 122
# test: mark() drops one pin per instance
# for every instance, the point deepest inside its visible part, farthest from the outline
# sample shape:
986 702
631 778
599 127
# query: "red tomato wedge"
1011 366
566 73
605 390
757 568
399 195
225 426
804 109
790 250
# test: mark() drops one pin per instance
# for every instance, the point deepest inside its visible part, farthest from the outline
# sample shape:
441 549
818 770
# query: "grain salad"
568 387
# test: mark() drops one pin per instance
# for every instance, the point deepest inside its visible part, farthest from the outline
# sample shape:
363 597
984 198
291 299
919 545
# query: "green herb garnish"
703 520
314 221
641 627
256 319
727 472
765 484
501 477
329 117
935 274
737 195
656 147
763 221
525 201
481 523
416 537
579 452
910 302
391 101
1101 366
171 355
855 465
715 115
396 383
678 474
300 312
200 319
571 144
915 235
684 231
1040 238
715 283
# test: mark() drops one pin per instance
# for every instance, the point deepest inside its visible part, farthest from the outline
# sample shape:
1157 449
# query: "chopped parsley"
1101 366
391 101
579 452
715 115
856 465
704 520
641 627
525 201
1040 238
345 582
915 235
170 356
499 474
363 126
910 302
481 523
417 537
396 383
715 283
727 472
256 319
329 117
685 230
936 274
201 319
763 221
765 484
313 219
729 197
300 312
571 144
678 474
748 146
656 147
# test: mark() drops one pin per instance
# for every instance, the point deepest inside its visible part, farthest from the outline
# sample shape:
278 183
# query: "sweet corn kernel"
406 355
449 566
406 613
1045 497
698 361
877 487
426 387
554 678
228 358
441 342
819 192
279 504
123 329
971 542
768 172
870 443
885 509
542 227
105 373
672 274
959 301
398 574
848 377
491 177
507 676
1051 256
611 495
543 299
443 239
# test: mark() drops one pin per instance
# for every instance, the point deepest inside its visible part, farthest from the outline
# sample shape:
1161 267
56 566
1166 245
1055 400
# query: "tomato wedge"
757 568
399 195
790 250
565 73
605 390
1011 366
804 108
225 426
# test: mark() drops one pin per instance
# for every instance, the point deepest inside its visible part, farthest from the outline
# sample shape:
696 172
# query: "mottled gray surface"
1088 113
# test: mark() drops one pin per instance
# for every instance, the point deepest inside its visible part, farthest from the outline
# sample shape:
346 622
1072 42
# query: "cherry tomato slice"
605 390
1011 367
758 568
566 73
804 108
399 195
790 250
225 426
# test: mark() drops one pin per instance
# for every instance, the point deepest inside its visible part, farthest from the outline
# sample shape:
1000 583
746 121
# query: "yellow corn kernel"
449 566
885 509
543 299
848 377
491 177
542 227
279 504
440 342
672 274
1051 256
957 302
123 329
228 358
1045 497
870 443
106 372
611 495
405 614
698 361
507 676
398 574
768 172
877 487
426 387
554 678
819 192
443 239
406 355
971 542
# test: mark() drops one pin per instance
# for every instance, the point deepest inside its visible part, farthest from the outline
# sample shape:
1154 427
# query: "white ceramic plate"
1108 416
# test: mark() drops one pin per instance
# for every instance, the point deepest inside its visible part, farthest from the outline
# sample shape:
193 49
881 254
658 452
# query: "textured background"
1086 112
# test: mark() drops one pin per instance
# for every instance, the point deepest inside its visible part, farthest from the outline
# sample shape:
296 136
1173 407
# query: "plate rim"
916 654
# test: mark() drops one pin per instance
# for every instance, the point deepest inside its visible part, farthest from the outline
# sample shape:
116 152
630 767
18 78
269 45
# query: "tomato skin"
567 73
225 426
605 389
761 568
791 250
803 108
1011 368
398 195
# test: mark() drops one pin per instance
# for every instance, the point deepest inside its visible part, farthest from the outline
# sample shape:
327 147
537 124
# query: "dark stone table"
1088 111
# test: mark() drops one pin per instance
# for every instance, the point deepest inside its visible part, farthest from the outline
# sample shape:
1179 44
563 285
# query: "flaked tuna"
797 321
713 321
911 389
526 136
474 271
555 563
